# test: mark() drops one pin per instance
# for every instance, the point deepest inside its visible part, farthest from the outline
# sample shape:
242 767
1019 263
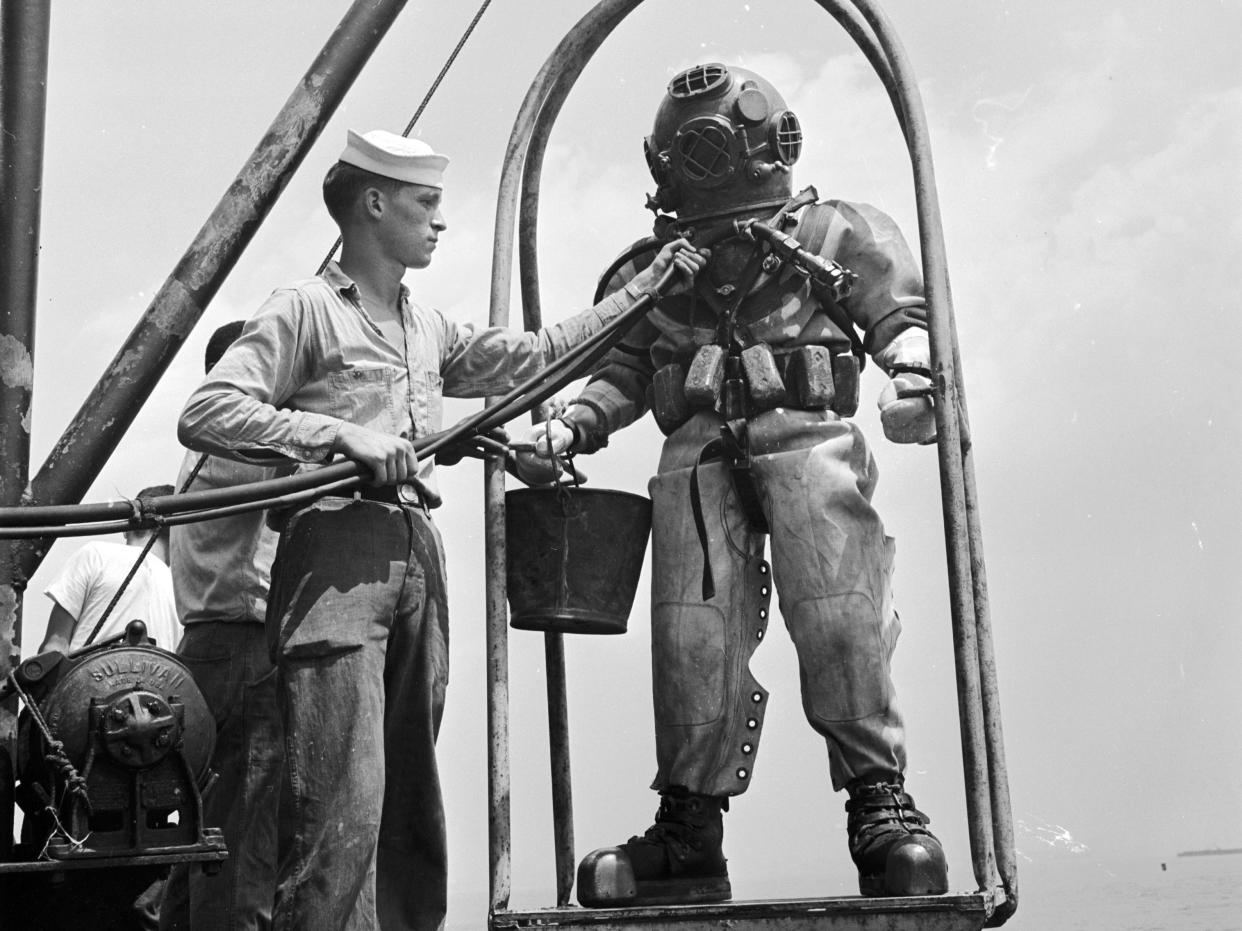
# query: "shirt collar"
342 283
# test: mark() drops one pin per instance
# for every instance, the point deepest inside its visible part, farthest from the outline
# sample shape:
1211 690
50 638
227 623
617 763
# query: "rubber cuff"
575 430
588 441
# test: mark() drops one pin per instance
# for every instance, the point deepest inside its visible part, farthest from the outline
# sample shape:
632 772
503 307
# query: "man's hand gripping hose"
63 520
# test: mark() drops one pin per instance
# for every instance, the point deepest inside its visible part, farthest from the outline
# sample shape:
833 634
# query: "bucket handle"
563 497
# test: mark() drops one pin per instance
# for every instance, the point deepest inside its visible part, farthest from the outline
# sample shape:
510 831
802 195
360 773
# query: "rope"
58 759
141 556
422 106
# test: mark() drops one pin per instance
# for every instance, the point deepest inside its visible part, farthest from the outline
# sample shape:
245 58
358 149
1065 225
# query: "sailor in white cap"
347 363
399 157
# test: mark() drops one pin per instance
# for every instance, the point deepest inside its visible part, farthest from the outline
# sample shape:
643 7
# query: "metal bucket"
575 555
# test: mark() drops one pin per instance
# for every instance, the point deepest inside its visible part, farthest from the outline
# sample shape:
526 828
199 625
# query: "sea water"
1086 894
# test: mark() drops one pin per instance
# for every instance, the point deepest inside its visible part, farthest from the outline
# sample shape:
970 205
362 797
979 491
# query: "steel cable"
422 106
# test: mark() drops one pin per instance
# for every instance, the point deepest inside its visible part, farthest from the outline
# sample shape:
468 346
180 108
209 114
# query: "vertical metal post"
562 779
998 768
24 35
498 824
550 89
114 402
498 775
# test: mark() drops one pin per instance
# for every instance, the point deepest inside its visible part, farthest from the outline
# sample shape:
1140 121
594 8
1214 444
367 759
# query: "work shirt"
782 309
91 578
221 568
312 358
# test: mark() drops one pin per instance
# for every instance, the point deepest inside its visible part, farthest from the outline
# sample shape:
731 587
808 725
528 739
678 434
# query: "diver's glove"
907 412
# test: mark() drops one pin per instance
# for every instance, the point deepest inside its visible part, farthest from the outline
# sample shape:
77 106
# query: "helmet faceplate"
722 137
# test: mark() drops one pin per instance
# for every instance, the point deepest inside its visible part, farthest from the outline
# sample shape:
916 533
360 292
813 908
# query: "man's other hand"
680 255
391 459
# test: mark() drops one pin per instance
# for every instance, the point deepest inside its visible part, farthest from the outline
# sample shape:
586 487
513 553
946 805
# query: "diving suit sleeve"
888 296
617 393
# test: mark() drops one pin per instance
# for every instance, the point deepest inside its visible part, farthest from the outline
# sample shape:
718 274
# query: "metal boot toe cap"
606 877
916 866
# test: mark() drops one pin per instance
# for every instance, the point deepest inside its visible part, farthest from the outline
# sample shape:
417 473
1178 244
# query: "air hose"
191 507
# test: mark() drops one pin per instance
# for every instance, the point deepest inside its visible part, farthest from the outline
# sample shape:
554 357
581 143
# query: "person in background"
86 586
221 570
83 596
348 363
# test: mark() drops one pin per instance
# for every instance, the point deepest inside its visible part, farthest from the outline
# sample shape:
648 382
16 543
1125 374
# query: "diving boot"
889 841
678 860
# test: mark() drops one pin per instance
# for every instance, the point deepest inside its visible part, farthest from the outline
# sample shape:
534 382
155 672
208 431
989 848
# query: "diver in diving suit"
753 378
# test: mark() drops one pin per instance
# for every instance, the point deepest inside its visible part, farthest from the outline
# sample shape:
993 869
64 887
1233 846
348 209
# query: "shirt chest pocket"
427 402
369 396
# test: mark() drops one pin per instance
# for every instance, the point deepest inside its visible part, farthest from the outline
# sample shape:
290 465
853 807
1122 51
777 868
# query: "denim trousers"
831 568
233 669
358 624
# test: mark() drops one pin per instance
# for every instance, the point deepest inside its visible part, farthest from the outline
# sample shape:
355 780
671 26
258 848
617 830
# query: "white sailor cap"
394 156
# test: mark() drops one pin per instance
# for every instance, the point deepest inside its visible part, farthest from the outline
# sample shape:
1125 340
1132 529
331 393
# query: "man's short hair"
344 184
160 532
221 340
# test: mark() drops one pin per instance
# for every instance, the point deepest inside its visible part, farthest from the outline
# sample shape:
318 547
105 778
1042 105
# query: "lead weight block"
762 377
845 380
702 385
809 375
668 398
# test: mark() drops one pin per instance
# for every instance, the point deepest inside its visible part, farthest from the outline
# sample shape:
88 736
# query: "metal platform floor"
959 912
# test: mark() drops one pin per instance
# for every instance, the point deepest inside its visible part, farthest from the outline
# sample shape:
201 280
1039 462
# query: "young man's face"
413 224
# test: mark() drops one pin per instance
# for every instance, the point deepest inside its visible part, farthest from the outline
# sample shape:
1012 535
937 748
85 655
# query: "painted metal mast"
24 36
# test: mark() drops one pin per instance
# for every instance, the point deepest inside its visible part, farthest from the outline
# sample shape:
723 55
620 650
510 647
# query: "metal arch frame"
987 791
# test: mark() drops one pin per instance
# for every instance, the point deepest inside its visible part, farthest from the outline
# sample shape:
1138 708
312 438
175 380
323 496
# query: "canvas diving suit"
812 476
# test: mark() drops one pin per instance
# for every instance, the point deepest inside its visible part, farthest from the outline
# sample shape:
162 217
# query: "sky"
1087 167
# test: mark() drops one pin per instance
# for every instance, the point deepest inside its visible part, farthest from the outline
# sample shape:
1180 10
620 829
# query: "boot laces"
880 812
676 827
